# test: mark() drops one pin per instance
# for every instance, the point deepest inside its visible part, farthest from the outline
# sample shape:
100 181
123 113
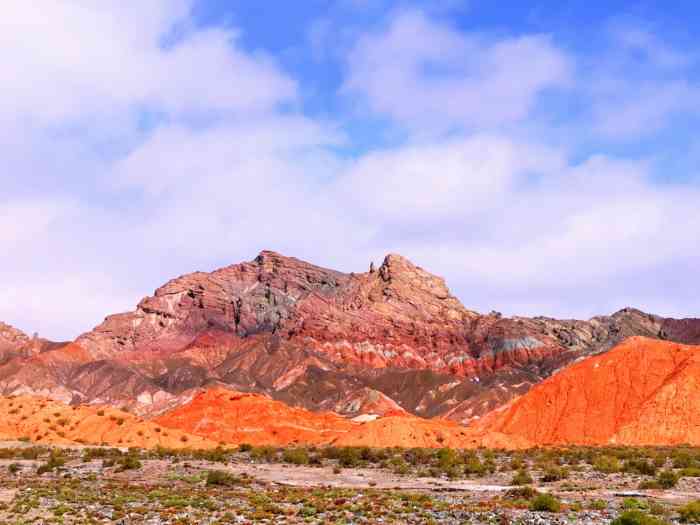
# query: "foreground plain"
86 485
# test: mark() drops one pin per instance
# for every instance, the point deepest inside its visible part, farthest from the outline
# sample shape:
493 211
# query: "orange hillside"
642 392
401 430
233 417
49 422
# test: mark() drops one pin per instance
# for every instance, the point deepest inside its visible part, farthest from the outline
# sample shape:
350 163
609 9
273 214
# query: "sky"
542 156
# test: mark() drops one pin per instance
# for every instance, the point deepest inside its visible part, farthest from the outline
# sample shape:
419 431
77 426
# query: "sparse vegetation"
196 484
521 478
637 517
545 503
690 513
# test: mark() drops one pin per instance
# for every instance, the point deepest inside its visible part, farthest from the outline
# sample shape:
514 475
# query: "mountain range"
342 355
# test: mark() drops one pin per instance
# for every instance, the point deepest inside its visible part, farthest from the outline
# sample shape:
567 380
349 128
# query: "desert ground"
90 485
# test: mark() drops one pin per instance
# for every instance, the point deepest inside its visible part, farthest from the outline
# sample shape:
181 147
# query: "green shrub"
31 452
545 503
552 474
525 493
266 453
690 513
633 504
657 509
446 458
129 462
221 478
682 460
348 457
606 464
216 455
55 461
245 447
474 466
690 472
13 468
636 517
296 456
640 466
521 478
667 479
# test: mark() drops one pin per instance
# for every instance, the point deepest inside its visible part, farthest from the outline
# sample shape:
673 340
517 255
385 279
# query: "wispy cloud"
422 73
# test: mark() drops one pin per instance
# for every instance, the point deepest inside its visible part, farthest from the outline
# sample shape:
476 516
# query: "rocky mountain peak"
11 337
398 277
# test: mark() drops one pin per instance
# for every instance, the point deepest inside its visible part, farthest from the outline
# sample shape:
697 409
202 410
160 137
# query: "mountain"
642 392
387 340
15 343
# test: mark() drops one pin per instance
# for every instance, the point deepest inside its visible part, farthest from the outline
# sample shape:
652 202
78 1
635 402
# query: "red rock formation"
233 417
642 392
11 338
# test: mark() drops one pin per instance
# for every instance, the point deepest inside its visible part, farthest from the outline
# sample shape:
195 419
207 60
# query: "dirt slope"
45 421
642 392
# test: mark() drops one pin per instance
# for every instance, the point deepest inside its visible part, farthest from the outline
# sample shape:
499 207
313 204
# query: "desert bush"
521 478
215 455
683 460
552 474
634 504
636 517
221 478
265 453
667 479
525 492
348 456
606 464
245 447
296 456
545 503
446 458
128 462
690 472
690 513
55 461
642 467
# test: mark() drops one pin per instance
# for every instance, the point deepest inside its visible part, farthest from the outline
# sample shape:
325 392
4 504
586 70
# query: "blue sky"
543 157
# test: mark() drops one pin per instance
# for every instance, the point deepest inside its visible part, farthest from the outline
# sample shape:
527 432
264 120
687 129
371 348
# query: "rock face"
378 342
11 338
642 392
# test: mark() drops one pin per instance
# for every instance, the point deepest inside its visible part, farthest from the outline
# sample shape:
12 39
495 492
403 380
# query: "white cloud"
423 73
447 180
72 60
579 227
76 78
